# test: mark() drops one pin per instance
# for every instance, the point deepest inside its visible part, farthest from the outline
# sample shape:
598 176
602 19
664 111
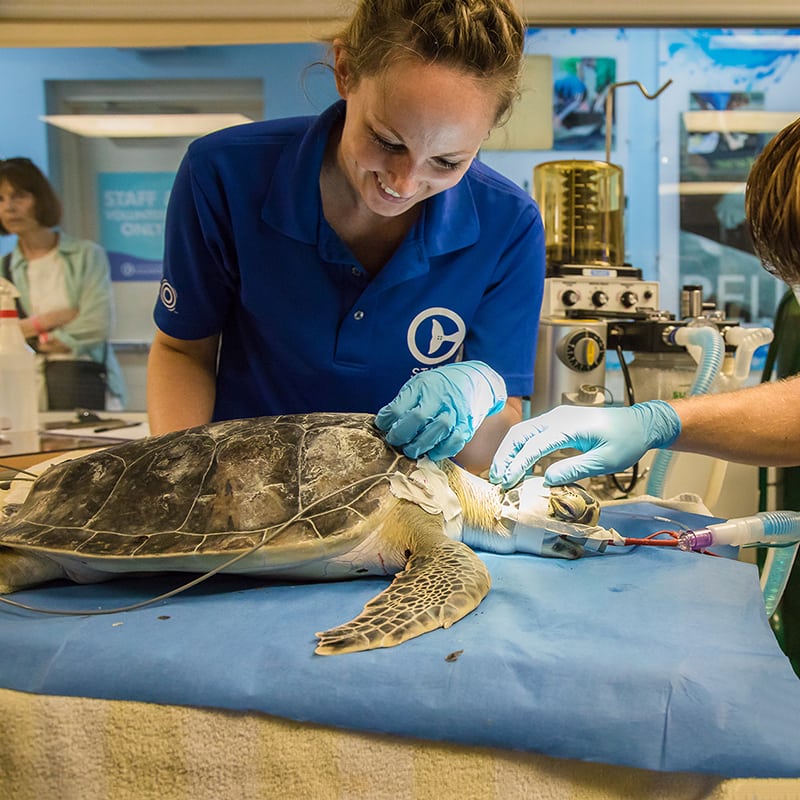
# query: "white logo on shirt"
435 334
168 295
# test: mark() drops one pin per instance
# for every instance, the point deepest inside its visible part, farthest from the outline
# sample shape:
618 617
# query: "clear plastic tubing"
766 527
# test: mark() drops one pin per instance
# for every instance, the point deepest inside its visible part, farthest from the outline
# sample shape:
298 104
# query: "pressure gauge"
581 350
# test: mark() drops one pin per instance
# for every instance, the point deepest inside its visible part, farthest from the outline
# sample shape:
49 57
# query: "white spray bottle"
19 416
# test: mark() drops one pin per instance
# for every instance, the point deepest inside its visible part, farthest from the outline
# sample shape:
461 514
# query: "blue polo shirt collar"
293 204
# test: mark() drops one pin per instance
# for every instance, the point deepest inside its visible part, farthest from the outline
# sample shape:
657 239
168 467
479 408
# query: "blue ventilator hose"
709 340
779 530
775 575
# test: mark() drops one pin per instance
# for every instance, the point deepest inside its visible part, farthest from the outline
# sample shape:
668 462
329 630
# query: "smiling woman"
408 134
383 212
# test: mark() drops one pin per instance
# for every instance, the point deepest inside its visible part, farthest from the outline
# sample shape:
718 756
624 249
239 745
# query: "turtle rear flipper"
442 582
22 569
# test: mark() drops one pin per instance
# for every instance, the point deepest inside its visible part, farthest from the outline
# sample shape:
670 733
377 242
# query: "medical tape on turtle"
428 487
533 522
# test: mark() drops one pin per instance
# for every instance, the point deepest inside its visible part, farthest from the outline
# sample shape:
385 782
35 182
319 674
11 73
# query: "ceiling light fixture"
121 126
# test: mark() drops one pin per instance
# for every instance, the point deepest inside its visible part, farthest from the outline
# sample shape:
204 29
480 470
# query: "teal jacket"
88 283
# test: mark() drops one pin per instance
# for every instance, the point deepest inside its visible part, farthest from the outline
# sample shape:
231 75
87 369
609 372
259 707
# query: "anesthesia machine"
594 302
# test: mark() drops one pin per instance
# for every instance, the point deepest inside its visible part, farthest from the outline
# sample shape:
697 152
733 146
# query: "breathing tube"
778 529
710 342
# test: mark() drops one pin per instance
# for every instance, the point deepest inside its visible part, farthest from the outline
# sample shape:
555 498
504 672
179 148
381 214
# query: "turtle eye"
560 508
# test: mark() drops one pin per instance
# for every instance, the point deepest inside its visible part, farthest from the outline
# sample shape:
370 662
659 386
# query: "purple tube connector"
696 540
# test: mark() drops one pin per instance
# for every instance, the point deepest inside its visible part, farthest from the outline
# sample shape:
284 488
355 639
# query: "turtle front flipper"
442 582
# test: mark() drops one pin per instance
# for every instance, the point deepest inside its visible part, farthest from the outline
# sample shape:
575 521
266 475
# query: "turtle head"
568 503
572 503
546 520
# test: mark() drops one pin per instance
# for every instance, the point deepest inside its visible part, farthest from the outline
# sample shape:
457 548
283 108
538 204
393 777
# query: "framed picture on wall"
580 87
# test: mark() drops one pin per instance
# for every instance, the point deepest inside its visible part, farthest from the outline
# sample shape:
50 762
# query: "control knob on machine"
629 299
581 350
570 297
599 298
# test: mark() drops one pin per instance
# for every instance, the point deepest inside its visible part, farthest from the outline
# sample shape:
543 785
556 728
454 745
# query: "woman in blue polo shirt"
362 260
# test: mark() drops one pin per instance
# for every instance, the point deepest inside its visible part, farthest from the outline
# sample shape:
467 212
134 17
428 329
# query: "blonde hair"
772 204
483 38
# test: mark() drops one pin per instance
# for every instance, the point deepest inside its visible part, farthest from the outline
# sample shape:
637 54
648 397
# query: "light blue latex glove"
611 439
437 411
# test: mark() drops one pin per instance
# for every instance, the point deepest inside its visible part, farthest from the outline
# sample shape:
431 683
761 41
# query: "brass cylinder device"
582 204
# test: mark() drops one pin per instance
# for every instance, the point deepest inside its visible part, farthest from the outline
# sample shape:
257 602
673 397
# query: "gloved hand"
437 411
611 439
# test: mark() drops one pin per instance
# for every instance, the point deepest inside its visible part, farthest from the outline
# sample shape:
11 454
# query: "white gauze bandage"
427 486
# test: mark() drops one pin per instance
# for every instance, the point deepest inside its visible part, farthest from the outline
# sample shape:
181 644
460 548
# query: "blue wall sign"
133 206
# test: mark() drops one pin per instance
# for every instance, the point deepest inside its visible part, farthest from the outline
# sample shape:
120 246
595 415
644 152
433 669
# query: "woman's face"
410 132
17 209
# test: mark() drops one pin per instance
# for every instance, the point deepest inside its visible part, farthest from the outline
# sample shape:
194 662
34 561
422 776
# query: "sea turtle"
306 496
